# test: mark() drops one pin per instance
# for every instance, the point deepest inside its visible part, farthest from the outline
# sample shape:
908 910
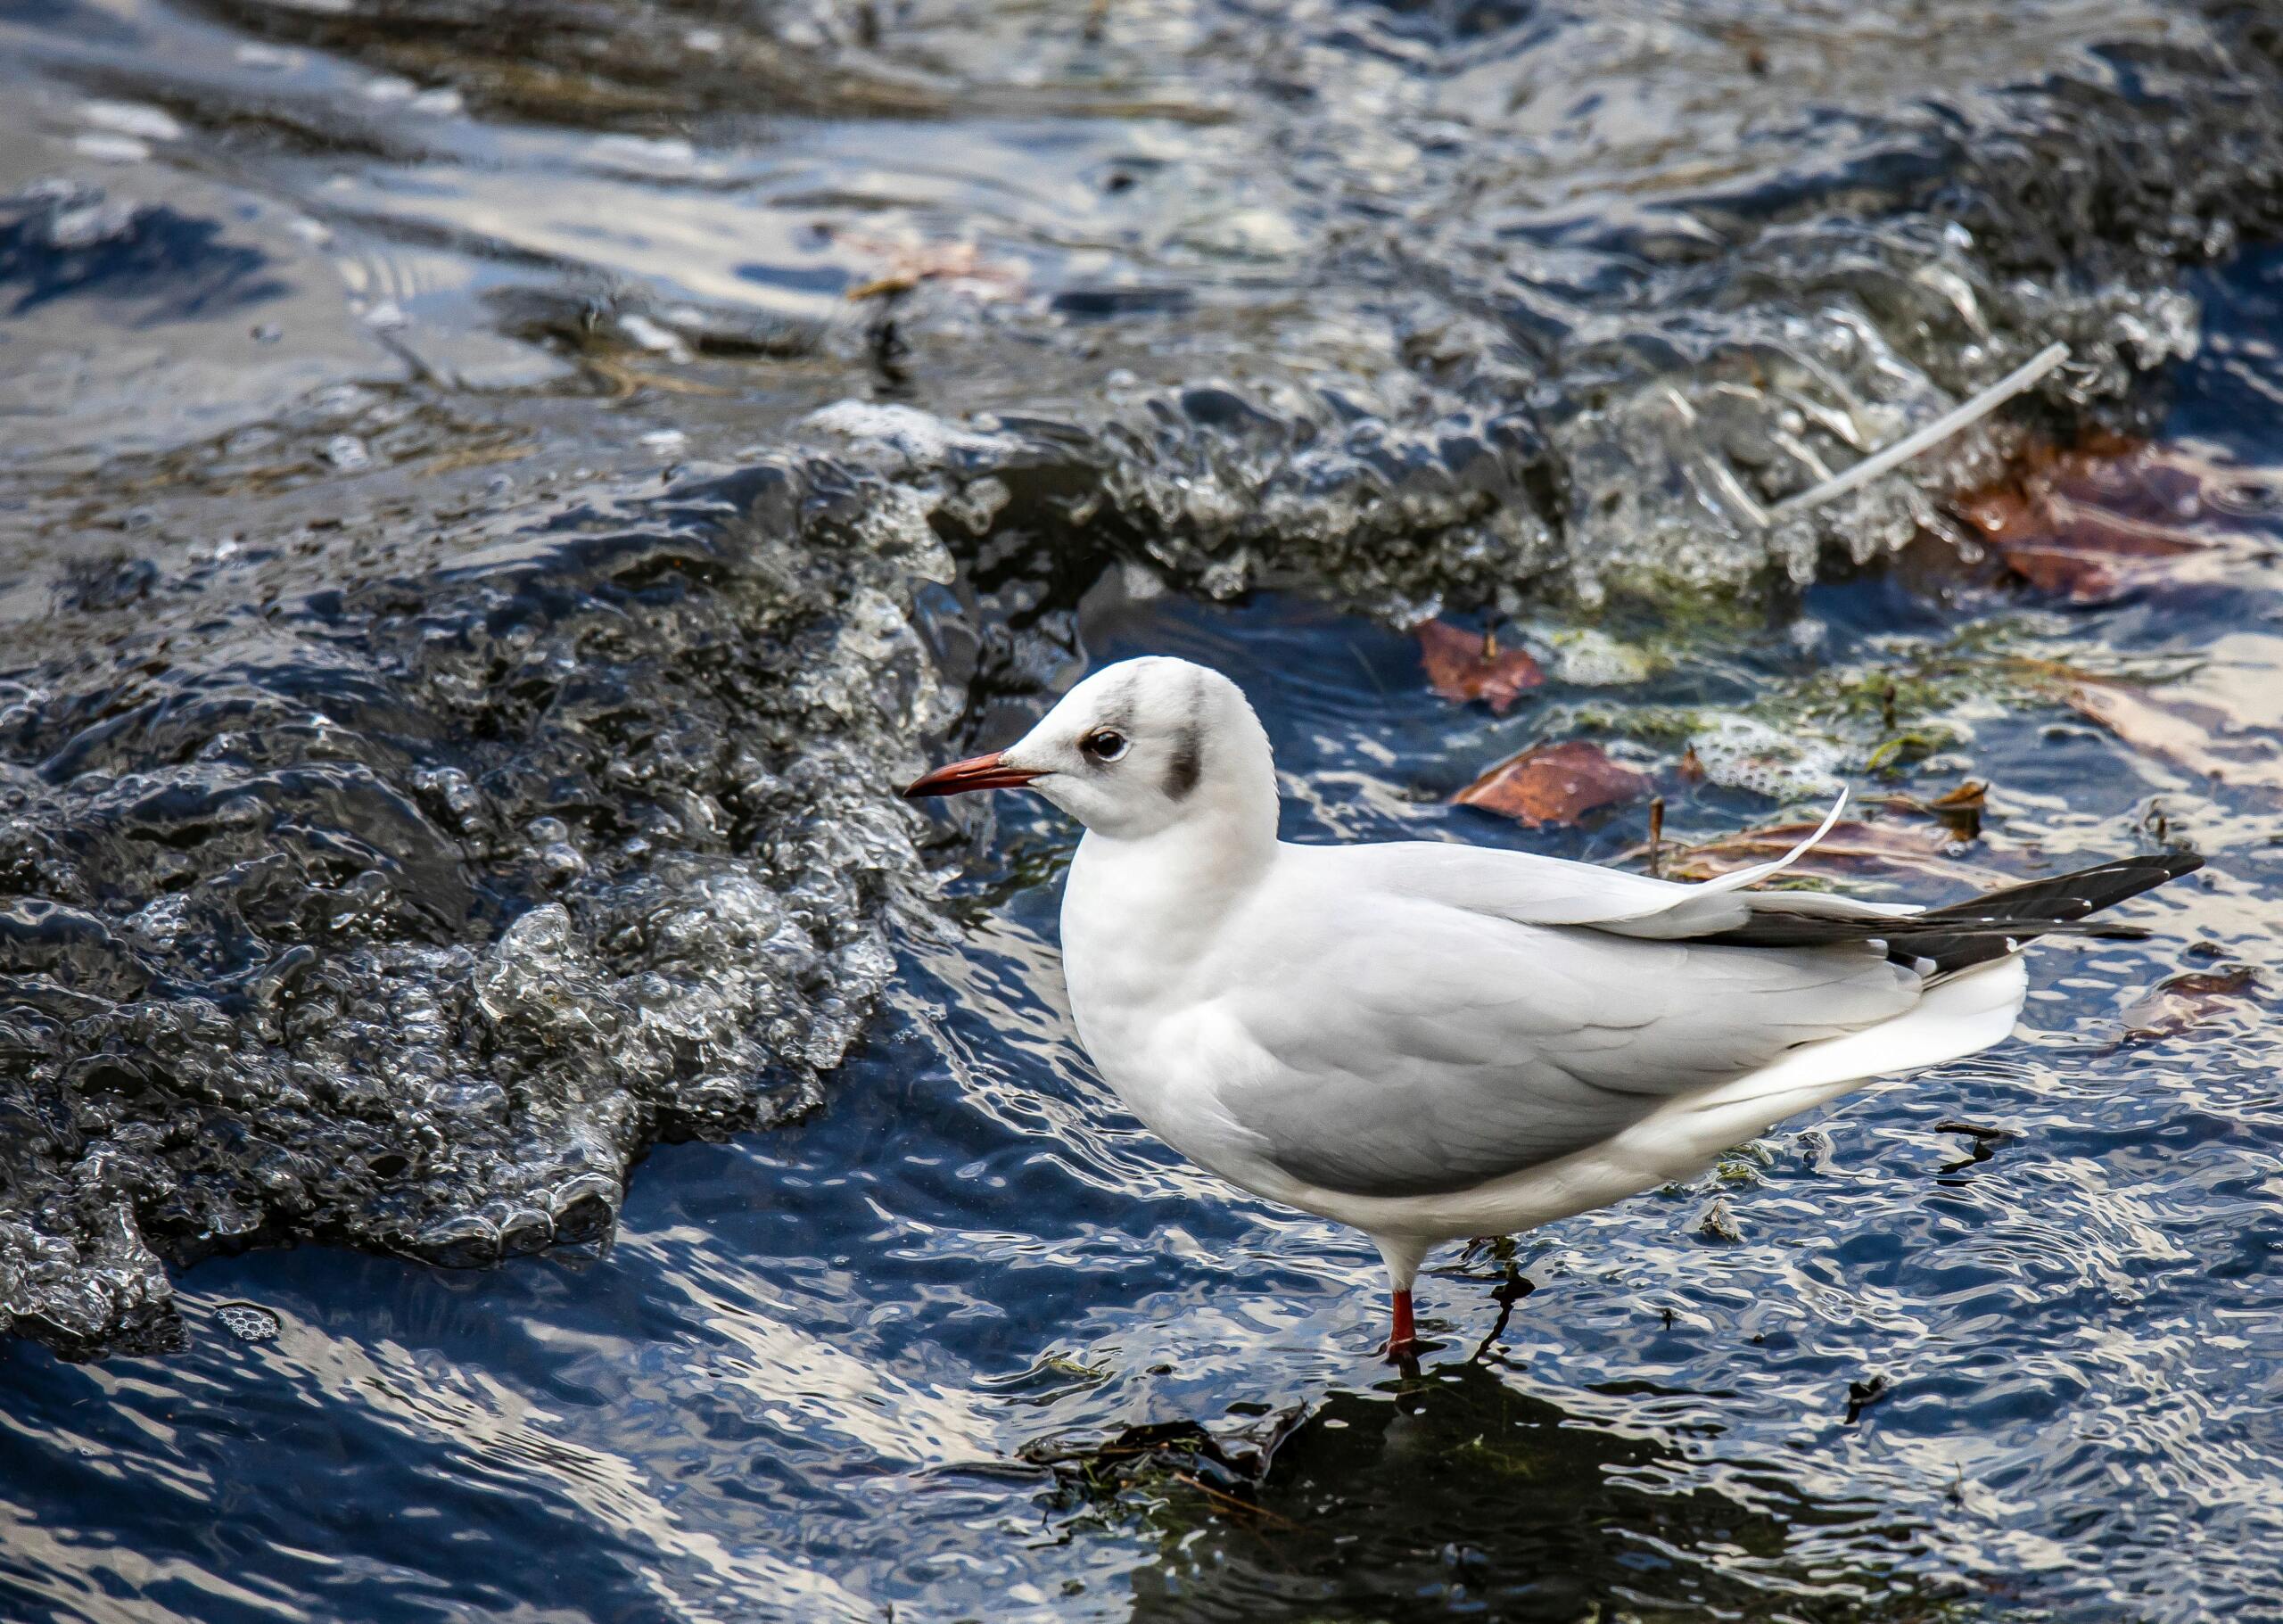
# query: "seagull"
1428 1041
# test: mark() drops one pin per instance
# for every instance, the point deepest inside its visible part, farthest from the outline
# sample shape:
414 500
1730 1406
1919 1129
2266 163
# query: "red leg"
1403 1340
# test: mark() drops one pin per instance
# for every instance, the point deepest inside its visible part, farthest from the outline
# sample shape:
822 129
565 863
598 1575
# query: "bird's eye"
1104 744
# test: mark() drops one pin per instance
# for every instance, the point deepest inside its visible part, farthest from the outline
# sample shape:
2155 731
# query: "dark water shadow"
1453 1491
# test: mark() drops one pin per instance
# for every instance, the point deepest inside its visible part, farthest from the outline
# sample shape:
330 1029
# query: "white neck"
1141 911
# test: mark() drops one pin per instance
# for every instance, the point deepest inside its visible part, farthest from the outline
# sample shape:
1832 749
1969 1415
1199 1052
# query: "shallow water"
472 571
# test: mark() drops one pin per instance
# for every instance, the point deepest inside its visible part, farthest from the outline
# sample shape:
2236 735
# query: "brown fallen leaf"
1958 809
910 264
2185 1000
1556 784
1849 851
2196 738
1461 666
2091 521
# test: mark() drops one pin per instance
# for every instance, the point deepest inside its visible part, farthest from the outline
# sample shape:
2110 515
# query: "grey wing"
1421 1049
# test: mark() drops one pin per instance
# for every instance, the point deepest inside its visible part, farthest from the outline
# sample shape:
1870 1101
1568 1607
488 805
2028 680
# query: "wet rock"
1492 390
407 909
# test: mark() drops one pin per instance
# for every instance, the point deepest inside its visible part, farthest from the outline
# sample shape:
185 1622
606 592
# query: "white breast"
1140 965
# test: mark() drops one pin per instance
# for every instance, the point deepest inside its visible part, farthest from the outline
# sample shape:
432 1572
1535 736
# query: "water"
472 572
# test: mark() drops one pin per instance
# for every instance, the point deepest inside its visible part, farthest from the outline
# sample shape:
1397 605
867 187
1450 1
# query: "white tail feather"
1754 875
1964 1014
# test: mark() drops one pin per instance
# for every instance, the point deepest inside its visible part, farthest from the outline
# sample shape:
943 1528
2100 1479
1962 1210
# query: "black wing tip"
2135 874
1982 927
2170 865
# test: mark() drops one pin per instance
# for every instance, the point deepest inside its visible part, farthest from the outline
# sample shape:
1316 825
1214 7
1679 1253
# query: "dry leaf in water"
1958 809
1556 784
2184 1001
1461 665
2099 519
1849 851
910 264
2196 738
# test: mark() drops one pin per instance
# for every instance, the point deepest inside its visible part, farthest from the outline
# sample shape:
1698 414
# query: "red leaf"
1463 666
2098 519
1555 784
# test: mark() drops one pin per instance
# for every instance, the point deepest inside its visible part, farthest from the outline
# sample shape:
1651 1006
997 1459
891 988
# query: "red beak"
978 772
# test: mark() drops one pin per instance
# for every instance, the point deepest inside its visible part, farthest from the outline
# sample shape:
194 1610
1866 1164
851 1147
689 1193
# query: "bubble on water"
1591 658
348 453
249 1322
1743 752
921 438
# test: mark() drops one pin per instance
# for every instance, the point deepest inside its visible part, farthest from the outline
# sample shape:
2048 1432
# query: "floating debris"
1852 850
2092 521
1463 665
2197 739
1555 784
1957 809
2191 999
1960 417
1717 1221
1862 1395
1984 1145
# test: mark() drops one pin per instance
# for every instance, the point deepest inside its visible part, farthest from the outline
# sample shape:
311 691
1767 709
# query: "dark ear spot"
1188 763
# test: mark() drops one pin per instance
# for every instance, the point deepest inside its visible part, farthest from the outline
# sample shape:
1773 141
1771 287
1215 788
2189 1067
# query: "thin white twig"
1963 416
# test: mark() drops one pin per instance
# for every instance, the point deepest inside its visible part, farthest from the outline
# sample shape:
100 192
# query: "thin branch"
1961 416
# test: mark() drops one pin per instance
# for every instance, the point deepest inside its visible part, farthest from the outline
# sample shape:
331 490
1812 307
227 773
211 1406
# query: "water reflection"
1461 1492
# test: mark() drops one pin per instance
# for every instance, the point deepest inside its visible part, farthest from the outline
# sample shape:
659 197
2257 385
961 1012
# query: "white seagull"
1429 1040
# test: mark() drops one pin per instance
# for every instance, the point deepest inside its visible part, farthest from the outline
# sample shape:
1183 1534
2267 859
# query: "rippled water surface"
503 1114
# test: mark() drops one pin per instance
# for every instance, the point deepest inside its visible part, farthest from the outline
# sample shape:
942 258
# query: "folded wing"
1429 1048
1472 1013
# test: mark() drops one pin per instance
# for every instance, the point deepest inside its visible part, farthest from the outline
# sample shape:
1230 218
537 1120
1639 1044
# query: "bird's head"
1137 748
